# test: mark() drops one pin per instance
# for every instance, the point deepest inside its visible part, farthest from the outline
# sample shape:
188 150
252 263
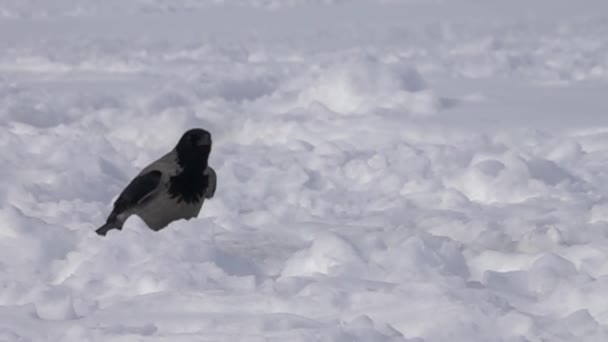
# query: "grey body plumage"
171 188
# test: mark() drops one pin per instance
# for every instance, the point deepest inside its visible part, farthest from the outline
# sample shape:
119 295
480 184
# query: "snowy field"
392 170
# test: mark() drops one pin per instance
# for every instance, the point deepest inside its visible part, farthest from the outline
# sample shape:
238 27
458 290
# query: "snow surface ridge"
379 180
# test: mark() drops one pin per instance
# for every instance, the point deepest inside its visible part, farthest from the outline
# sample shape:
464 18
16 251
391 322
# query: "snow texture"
387 170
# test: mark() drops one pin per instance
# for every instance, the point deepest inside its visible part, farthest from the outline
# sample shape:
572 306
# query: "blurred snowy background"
396 170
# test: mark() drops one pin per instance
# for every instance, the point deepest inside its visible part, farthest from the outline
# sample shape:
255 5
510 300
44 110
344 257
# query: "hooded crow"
173 187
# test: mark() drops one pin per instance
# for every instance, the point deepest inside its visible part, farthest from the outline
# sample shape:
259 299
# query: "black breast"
188 186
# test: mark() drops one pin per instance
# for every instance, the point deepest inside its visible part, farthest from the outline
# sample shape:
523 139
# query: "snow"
387 170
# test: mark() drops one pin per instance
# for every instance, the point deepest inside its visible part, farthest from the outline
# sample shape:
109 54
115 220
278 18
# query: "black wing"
211 183
139 188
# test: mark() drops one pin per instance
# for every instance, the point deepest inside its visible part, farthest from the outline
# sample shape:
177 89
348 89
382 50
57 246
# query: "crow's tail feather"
103 230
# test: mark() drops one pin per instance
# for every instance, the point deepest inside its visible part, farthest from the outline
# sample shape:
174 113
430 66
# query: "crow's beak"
203 141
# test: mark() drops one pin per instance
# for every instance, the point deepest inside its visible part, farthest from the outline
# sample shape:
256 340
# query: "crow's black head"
193 148
192 155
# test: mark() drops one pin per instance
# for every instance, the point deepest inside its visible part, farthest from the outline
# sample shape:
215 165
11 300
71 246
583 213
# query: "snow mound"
325 255
365 86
